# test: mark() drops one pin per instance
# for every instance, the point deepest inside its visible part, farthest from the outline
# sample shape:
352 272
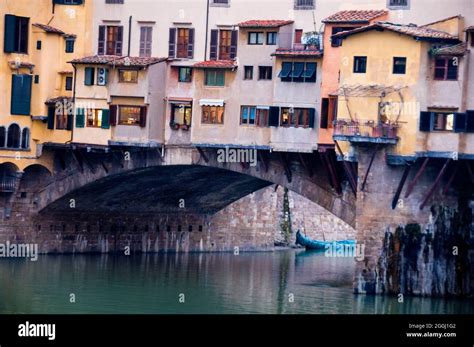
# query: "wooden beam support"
306 166
435 184
324 161
79 162
396 197
203 154
451 178
412 184
348 170
370 166
333 168
286 166
331 171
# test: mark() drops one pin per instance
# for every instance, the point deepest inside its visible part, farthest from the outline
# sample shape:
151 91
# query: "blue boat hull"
310 244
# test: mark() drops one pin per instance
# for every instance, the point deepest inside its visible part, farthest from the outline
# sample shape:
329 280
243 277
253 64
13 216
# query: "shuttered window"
21 94
110 40
16 34
89 73
146 39
181 43
223 44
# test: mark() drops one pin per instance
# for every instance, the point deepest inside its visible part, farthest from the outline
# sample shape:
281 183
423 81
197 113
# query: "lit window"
212 115
94 118
130 115
128 76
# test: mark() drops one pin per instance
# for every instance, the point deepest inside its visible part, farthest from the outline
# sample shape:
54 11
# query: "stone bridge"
413 216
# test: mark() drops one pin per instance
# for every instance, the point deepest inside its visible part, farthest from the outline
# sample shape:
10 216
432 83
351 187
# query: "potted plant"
174 126
311 40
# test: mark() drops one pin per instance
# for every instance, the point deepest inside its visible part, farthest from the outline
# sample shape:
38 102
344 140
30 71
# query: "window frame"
133 81
357 58
95 117
258 34
190 74
445 69
394 65
70 84
207 72
265 71
246 120
246 69
146 41
211 108
272 34
119 115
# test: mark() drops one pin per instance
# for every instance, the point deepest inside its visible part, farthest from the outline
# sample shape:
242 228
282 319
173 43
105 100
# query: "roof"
61 99
444 20
118 61
297 53
410 30
22 64
216 64
456 50
271 23
49 29
360 16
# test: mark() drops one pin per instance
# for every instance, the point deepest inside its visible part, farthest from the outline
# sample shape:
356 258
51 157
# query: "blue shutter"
460 122
9 38
274 116
51 115
21 95
89 76
470 121
312 116
426 121
105 119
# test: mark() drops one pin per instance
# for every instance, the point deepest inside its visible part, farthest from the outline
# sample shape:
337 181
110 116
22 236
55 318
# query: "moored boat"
311 244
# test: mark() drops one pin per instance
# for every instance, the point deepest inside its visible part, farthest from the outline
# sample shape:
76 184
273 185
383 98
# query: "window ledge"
16 149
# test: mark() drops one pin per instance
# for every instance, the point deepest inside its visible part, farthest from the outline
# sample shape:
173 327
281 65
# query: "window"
185 74
114 1
272 38
3 136
398 4
262 116
304 4
94 118
21 95
89 75
298 72
13 136
264 72
248 72
215 78
255 38
360 64
25 138
146 37
68 84
336 42
37 79
16 34
223 44
298 35
110 40
399 65
220 2
61 118
297 117
328 112
68 2
131 115
212 115
128 76
70 44
248 115
443 121
446 69
181 43
181 114
38 45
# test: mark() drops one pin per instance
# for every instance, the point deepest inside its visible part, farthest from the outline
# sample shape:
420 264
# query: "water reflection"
211 283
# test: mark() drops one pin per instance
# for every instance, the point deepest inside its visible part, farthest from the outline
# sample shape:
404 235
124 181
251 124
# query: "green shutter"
105 119
80 118
51 114
89 76
426 121
220 78
70 121
460 122
9 37
21 95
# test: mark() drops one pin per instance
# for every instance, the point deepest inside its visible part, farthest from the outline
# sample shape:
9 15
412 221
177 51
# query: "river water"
287 282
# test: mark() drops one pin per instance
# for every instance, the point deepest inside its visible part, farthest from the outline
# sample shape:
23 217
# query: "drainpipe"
129 34
73 101
207 30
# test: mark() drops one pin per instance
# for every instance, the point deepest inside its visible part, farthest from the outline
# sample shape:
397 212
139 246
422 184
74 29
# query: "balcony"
7 184
365 131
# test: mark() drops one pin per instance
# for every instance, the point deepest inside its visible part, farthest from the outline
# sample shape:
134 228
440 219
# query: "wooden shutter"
172 43
70 121
9 37
312 117
426 121
214 42
89 73
324 113
460 122
101 48
233 44
470 120
274 116
143 111
119 42
51 116
113 114
191 44
80 118
105 119
21 94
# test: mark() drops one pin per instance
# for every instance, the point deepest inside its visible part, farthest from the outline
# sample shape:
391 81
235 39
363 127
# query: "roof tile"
359 16
49 29
297 53
114 60
216 64
271 23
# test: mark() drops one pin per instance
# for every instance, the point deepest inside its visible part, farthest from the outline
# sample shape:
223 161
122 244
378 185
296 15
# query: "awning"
285 70
310 70
297 70
263 107
180 101
211 102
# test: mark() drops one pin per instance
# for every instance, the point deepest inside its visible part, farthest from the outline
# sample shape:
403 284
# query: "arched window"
3 136
13 138
25 138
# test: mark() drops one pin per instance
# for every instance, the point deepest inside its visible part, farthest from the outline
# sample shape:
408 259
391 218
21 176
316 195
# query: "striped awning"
211 102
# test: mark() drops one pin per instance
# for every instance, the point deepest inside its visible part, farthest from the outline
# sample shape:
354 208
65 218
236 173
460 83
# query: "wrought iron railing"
7 184
365 128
